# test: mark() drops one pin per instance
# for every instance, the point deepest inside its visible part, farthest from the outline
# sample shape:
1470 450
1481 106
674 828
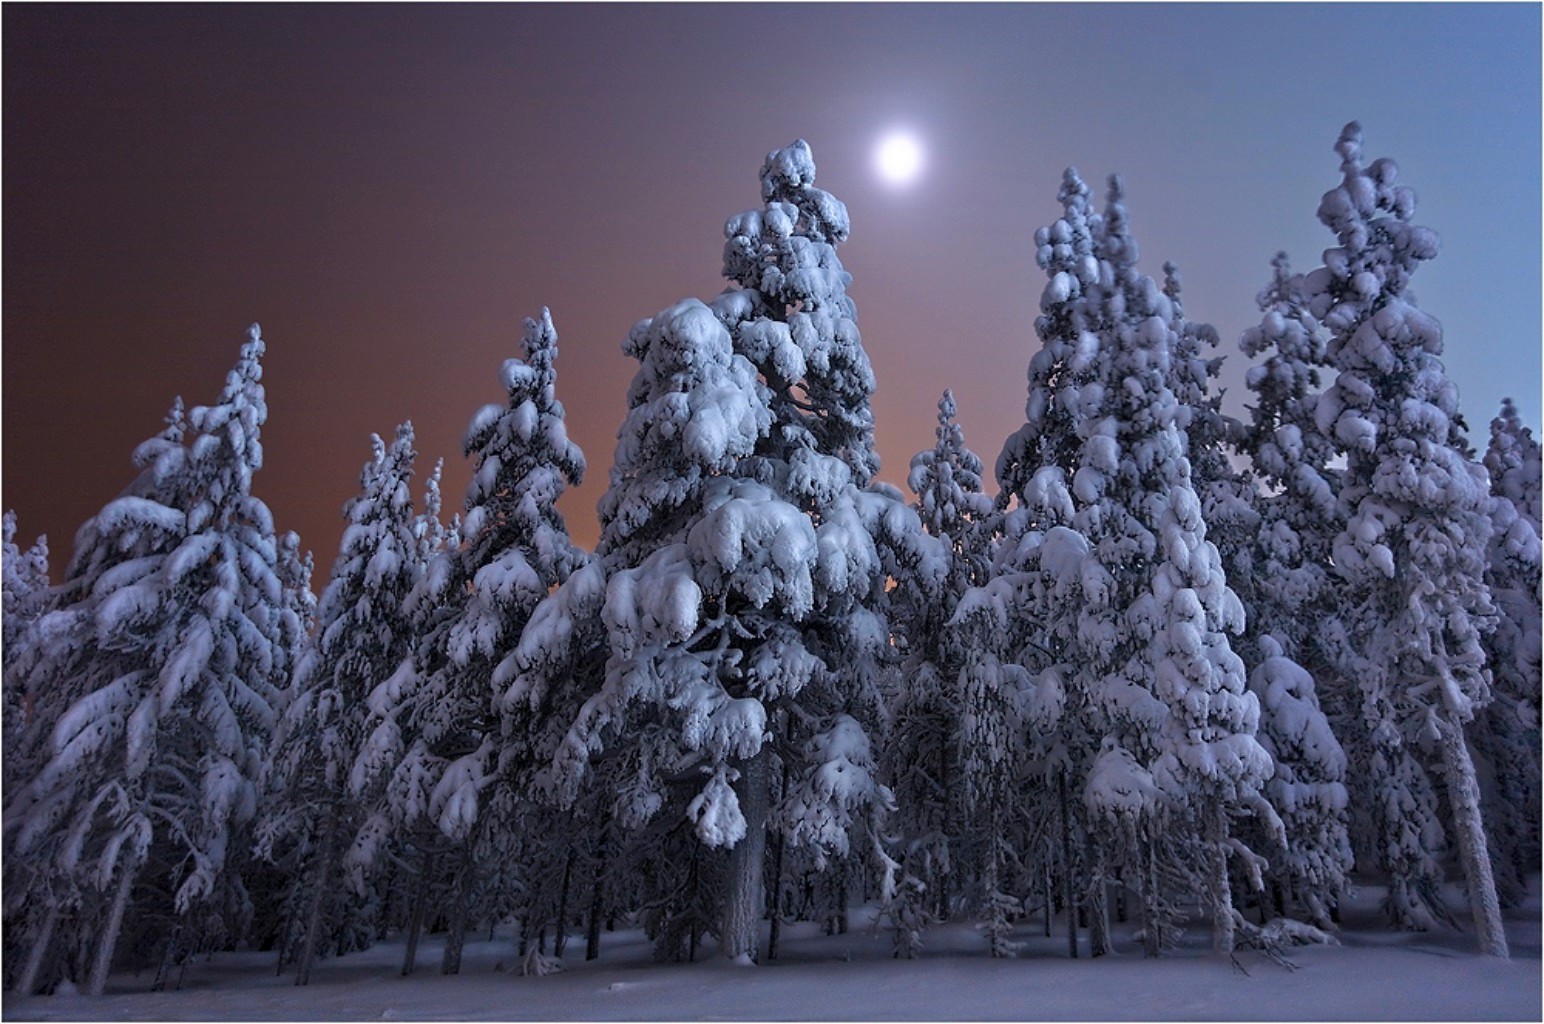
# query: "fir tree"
169 631
363 636
1412 550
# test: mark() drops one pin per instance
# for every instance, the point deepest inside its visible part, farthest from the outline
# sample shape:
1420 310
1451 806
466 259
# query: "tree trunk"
38 954
108 940
776 902
415 921
745 901
455 938
560 941
1099 911
314 913
1152 943
168 958
1223 926
592 926
1068 903
1464 795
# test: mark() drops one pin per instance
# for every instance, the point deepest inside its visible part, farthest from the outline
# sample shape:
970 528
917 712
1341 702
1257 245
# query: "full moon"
899 158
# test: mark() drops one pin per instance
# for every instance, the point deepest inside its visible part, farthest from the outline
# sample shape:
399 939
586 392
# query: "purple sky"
389 190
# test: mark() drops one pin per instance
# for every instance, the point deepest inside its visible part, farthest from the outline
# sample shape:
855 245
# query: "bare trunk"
745 901
1464 795
1152 935
776 903
168 958
108 940
415 921
560 942
1099 912
38 954
1223 926
455 938
1067 887
314 913
592 926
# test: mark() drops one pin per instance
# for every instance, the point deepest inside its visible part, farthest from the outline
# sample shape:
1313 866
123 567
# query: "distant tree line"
1179 660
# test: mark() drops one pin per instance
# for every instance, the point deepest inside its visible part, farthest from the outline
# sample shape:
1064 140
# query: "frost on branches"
157 675
1412 551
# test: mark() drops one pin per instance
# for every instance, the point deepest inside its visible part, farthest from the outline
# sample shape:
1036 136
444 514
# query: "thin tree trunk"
745 901
1099 911
167 959
38 954
592 927
1067 887
776 902
314 913
1464 796
108 940
1152 943
415 922
560 941
1045 890
1223 925
455 938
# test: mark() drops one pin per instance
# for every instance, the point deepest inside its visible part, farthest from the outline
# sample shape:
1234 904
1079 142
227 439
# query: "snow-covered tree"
26 596
168 634
438 734
1308 787
743 549
1412 551
1140 701
1506 736
310 816
923 759
1291 598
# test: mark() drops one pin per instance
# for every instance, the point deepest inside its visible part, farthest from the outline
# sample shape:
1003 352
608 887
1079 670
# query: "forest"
1177 660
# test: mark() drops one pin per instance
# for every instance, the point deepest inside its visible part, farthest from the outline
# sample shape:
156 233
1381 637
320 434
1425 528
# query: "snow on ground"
1375 975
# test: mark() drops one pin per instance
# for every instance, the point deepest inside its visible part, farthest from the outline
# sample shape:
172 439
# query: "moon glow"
899 158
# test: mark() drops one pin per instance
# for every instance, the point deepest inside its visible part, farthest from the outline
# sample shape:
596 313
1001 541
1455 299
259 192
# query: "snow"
1374 974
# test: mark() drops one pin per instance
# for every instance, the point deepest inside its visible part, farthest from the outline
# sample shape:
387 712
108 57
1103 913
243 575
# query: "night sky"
389 190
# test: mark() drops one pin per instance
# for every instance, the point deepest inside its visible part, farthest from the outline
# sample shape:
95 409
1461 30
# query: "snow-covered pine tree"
922 762
1308 787
1506 732
176 654
1412 551
1108 547
26 596
438 729
311 816
742 549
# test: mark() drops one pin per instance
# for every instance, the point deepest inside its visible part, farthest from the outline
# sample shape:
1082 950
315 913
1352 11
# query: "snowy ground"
1374 975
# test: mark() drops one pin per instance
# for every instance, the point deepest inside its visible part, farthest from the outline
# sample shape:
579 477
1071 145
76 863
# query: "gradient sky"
389 190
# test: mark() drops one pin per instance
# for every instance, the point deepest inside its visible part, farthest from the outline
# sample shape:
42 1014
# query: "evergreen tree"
437 726
924 759
25 599
1506 734
743 553
364 634
1412 550
169 633
1142 702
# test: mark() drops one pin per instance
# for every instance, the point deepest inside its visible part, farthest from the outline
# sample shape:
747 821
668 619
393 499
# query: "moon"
899 158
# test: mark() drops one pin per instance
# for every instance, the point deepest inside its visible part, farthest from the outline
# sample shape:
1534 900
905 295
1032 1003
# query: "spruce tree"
1416 526
743 553
168 641
438 733
1142 701
311 816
